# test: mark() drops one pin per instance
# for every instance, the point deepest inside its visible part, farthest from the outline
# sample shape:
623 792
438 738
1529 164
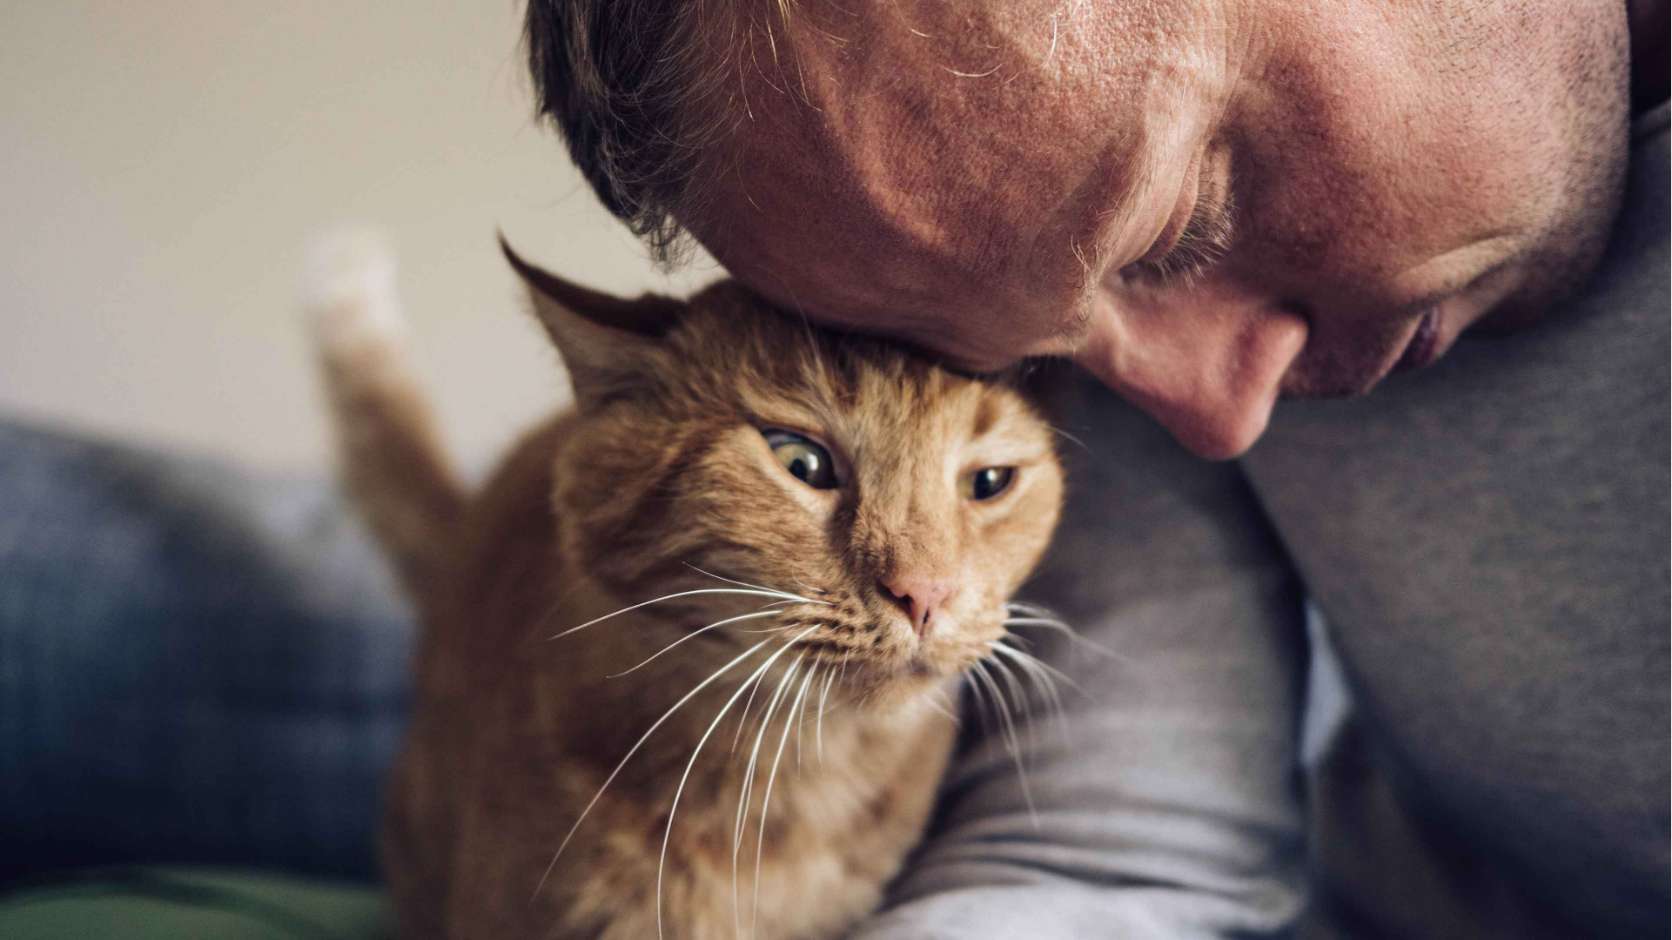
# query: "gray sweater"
1477 554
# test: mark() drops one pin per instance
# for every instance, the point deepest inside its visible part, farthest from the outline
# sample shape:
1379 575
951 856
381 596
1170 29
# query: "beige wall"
163 162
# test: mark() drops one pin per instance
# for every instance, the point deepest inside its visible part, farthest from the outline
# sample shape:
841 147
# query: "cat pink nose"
920 597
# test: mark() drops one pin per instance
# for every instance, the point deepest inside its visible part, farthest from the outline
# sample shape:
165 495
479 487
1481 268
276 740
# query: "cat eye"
806 461
986 483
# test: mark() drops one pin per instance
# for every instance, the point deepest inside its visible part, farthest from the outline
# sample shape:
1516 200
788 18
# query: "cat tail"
390 452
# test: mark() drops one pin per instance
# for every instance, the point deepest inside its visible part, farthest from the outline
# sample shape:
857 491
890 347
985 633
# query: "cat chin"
897 681
910 693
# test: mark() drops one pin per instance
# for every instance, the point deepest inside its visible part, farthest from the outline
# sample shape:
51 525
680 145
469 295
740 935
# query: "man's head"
1205 204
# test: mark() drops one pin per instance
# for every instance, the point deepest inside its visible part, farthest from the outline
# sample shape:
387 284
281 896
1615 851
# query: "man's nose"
1208 365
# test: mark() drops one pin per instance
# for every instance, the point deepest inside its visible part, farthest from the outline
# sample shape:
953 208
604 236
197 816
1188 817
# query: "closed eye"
1205 239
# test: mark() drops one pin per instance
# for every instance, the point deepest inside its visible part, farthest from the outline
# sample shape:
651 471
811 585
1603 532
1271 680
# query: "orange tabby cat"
685 654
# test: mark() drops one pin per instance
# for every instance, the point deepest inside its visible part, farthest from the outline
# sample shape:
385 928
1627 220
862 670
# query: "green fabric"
172 903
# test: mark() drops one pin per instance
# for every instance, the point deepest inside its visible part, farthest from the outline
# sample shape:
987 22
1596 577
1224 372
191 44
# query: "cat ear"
605 341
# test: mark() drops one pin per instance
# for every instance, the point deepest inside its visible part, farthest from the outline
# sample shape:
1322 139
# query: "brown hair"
629 85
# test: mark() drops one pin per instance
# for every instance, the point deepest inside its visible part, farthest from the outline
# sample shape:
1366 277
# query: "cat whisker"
716 674
1034 610
743 718
673 807
1014 685
1000 705
1050 669
980 702
786 595
1064 434
1057 625
942 706
1020 612
666 597
801 722
695 633
824 698
1018 641
1047 694
1063 628
1014 743
1046 667
1027 608
766 799
748 787
1040 673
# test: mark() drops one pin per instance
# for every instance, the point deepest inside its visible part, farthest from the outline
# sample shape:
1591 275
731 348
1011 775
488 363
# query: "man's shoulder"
1489 540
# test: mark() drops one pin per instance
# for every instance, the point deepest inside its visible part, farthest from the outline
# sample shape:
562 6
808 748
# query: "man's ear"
606 342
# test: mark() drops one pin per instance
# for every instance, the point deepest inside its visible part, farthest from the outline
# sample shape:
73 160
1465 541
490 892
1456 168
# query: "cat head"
896 504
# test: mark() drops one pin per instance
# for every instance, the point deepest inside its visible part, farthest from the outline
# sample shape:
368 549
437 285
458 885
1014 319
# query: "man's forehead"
934 109
948 132
991 56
